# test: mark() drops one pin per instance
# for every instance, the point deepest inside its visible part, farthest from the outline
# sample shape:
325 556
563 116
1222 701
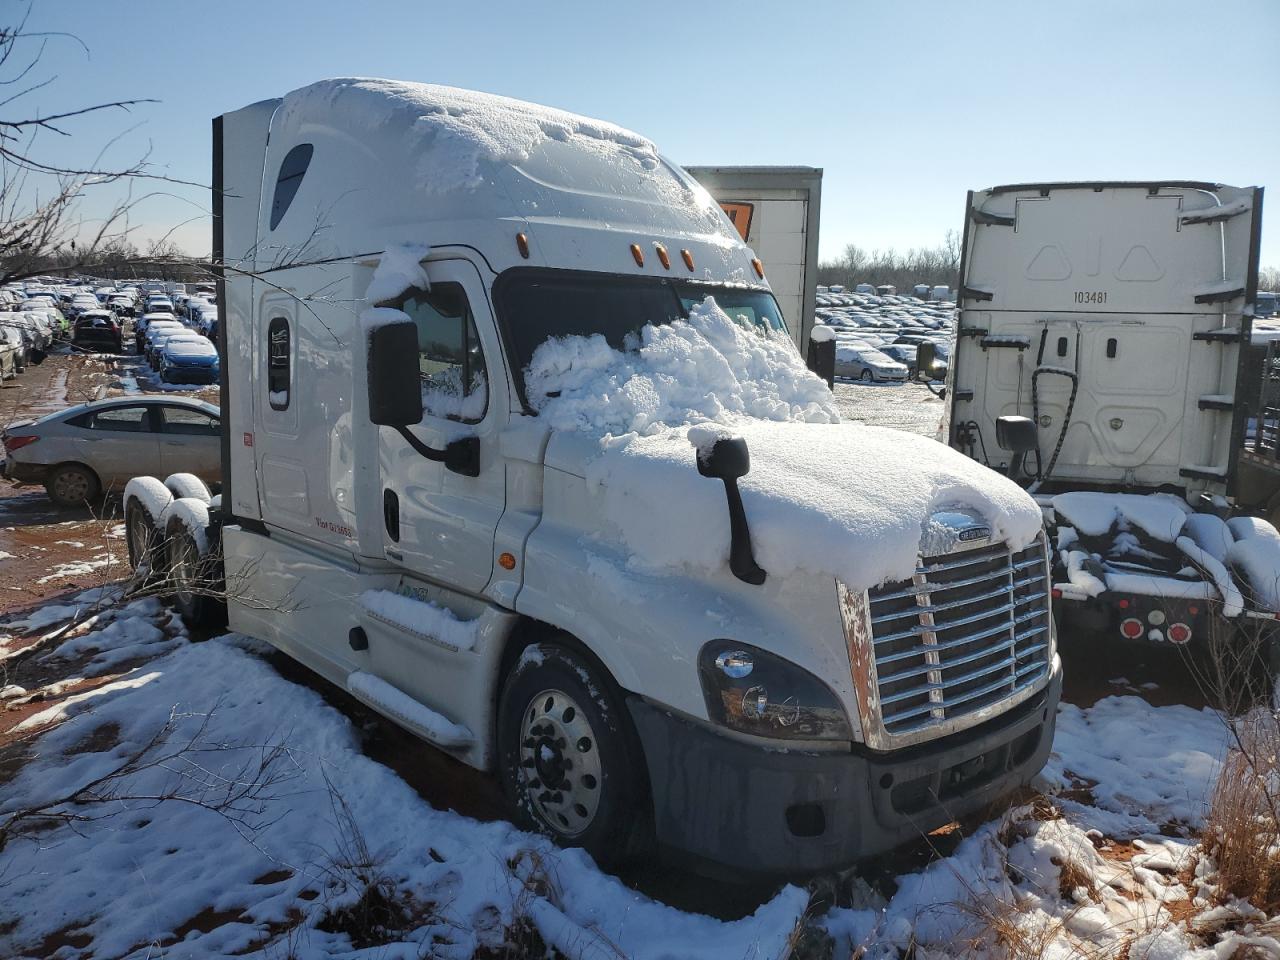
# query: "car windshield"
536 305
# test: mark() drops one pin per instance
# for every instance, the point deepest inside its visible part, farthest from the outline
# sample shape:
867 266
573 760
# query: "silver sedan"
80 452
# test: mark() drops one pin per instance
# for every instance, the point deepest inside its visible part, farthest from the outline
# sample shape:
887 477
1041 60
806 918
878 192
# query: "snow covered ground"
161 797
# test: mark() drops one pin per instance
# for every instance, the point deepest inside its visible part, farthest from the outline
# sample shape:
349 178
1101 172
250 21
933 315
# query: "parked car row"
877 335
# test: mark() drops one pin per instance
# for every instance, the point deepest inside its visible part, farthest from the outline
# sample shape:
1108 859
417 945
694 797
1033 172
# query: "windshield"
535 305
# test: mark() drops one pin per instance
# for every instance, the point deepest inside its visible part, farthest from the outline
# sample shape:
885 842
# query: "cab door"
437 523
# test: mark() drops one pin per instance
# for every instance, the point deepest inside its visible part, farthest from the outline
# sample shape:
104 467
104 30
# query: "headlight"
752 691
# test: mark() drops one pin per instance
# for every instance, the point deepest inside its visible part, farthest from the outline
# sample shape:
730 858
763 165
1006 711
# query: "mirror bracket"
461 455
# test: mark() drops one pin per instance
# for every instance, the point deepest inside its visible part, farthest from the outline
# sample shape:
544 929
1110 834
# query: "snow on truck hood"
822 498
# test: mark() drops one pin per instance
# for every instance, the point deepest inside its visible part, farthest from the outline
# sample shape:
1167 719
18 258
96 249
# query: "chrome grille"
967 631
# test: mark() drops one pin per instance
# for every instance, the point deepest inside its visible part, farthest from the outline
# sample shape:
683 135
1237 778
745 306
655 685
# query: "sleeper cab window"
292 170
279 348
450 362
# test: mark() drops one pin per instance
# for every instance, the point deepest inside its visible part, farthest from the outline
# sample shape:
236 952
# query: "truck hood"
832 500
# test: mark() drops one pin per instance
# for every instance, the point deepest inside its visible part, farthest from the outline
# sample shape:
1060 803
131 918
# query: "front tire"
866 376
569 761
72 484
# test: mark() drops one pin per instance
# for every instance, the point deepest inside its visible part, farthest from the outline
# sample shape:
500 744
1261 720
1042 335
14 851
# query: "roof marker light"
522 243
662 256
637 254
688 259
759 267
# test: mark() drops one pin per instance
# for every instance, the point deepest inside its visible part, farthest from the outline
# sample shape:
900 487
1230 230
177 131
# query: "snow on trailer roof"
400 162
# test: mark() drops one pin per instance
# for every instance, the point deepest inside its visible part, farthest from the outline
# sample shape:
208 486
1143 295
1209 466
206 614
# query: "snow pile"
456 133
850 502
399 269
1153 765
706 368
421 617
270 871
1096 514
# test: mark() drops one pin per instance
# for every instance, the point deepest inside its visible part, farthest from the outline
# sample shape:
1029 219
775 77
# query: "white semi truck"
1101 361
485 363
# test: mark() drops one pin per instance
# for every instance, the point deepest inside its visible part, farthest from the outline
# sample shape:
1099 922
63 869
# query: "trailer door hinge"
991 219
1221 335
1214 403
1220 296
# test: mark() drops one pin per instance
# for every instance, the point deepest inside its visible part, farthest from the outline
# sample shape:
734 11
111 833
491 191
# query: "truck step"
1216 402
973 293
1220 296
408 712
1212 474
1221 335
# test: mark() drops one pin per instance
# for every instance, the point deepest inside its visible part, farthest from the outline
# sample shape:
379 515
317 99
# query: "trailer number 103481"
1091 296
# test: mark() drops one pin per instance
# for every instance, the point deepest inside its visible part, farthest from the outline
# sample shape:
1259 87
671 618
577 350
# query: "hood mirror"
728 459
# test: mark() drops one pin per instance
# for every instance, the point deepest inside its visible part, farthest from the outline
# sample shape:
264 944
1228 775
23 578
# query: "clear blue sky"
904 104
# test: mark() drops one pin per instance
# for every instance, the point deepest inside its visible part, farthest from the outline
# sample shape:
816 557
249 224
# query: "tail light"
1179 633
1132 628
17 443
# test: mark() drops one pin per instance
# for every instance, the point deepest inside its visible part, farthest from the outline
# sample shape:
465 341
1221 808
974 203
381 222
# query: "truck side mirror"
926 356
395 394
1018 435
822 354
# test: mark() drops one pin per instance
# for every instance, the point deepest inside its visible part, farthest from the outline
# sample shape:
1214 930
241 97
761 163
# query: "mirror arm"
461 456
742 559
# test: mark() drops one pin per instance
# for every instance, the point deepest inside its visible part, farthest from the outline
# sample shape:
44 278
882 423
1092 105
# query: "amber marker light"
759 267
507 561
522 244
637 254
662 256
688 259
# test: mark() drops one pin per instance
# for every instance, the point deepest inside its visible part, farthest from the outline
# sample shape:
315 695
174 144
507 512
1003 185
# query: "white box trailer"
1111 320
434 302
776 211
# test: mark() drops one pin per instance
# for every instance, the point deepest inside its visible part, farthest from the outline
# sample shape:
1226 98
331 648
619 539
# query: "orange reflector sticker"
507 561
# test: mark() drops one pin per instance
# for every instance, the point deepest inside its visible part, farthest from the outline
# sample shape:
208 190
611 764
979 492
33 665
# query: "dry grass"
1242 834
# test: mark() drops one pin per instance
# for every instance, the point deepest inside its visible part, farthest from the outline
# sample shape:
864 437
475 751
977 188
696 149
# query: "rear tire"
72 484
187 486
145 541
559 719
194 578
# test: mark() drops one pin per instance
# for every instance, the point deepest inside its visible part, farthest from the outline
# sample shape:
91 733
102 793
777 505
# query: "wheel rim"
560 763
71 485
867 375
182 563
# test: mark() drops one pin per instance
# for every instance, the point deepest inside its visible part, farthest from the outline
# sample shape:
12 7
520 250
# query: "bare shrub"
1242 833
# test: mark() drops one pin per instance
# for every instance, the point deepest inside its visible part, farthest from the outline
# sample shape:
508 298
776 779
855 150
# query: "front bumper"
189 374
776 811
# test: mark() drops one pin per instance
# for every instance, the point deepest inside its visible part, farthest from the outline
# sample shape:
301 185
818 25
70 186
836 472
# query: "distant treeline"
903 269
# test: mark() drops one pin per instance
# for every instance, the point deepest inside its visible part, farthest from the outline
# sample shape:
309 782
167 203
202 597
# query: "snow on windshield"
842 500
706 368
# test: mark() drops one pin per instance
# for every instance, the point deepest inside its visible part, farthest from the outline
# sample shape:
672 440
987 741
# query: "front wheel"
866 376
569 760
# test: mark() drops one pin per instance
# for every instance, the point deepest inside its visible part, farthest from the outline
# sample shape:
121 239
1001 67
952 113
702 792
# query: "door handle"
391 514
173 443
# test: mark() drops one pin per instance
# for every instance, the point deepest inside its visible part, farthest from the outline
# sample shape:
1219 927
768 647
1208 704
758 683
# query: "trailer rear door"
1112 313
